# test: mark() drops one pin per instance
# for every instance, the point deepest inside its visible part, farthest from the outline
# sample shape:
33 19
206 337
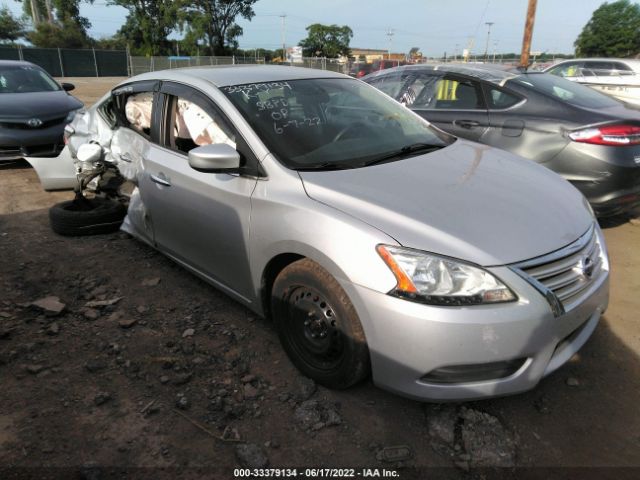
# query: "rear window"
565 90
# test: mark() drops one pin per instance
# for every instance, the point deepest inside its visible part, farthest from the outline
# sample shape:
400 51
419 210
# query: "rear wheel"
86 216
318 326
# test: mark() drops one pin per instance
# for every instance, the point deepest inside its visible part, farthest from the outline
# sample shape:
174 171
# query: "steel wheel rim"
313 329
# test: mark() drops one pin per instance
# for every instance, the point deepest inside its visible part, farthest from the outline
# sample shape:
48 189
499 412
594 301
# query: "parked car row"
360 69
375 241
591 139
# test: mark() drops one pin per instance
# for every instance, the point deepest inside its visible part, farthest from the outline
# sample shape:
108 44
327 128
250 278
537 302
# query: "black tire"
318 326
87 217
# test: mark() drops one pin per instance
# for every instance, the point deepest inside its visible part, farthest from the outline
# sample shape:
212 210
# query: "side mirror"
67 87
89 152
215 158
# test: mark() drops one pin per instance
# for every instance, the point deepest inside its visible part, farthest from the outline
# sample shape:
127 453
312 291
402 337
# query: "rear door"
201 219
453 103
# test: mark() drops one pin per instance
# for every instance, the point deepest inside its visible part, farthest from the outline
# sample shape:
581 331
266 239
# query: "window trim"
485 91
128 89
167 89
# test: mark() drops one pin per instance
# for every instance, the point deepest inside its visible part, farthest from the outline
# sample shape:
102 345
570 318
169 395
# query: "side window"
420 93
108 112
622 69
192 124
137 112
571 69
457 94
498 99
600 69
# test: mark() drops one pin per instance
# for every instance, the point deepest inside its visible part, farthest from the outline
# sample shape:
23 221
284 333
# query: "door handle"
466 123
125 157
160 179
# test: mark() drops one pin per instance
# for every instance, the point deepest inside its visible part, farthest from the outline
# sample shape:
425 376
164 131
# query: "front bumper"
16 143
409 340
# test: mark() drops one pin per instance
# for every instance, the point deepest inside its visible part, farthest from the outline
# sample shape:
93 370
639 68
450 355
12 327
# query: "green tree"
613 31
11 28
148 24
326 40
58 23
58 35
215 22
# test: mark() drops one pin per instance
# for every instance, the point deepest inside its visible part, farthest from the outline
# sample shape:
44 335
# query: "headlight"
71 115
436 280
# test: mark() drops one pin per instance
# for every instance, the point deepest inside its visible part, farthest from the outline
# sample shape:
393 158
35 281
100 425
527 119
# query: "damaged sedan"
378 244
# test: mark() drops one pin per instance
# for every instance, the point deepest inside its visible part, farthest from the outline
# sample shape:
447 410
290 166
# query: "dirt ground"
150 371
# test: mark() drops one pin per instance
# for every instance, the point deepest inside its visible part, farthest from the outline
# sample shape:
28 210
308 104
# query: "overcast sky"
435 26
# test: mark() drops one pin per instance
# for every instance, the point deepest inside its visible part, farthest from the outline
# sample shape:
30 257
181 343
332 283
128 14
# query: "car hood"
42 105
467 201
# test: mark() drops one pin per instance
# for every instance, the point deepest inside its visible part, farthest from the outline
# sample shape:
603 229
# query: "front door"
455 105
201 219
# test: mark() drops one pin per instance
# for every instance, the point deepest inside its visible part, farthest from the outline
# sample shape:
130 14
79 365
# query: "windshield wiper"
324 166
404 152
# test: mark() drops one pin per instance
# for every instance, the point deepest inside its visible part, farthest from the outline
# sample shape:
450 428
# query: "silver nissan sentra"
378 244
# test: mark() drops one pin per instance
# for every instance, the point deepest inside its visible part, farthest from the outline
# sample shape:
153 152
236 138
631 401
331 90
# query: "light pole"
390 35
486 48
284 54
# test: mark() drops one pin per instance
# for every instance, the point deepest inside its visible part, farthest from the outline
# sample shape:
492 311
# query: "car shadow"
20 164
617 220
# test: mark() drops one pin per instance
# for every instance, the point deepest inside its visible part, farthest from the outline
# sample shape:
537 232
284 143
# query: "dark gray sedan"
34 110
589 138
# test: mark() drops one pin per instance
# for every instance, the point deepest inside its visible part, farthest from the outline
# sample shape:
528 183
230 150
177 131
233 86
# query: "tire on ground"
96 215
306 279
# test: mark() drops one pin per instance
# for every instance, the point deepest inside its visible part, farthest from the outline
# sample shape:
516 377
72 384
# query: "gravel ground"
135 363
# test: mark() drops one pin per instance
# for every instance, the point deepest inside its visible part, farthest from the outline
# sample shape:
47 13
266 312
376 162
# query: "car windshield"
570 92
332 123
25 79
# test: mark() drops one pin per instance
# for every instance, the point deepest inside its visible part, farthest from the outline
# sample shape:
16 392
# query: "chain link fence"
65 62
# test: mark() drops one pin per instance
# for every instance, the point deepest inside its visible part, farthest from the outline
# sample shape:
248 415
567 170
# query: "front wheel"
318 326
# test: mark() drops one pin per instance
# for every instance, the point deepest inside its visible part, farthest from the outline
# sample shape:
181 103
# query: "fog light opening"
478 372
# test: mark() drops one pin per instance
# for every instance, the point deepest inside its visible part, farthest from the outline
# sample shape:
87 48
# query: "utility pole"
390 35
486 48
284 53
528 33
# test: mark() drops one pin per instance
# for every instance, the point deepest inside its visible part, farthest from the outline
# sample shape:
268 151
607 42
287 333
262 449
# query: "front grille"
23 125
569 272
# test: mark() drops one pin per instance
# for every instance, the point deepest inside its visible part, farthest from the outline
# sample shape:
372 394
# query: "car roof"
16 63
225 75
629 61
490 73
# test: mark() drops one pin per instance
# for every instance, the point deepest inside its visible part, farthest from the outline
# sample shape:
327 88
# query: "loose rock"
95 365
441 422
151 282
573 382
486 440
101 398
53 329
251 455
305 388
189 332
127 322
50 305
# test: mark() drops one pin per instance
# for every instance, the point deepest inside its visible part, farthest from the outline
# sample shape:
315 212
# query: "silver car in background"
376 243
618 77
